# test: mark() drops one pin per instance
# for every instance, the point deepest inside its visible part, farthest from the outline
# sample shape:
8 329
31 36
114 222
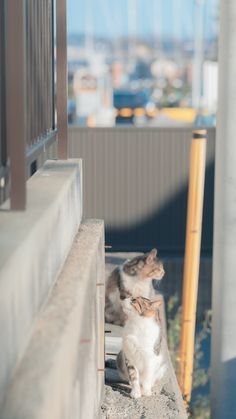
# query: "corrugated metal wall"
136 180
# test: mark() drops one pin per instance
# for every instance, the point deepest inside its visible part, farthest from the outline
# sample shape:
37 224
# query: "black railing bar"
34 65
61 39
41 72
16 101
52 65
44 58
28 101
3 145
33 152
31 76
47 40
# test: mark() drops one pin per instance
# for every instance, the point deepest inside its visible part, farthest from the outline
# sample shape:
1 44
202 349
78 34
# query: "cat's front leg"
133 380
146 378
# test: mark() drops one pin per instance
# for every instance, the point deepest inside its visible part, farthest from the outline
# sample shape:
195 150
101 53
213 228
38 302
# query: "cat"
141 360
132 279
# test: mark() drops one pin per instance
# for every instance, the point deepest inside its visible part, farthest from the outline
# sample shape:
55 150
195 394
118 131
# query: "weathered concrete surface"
164 403
62 372
166 400
33 247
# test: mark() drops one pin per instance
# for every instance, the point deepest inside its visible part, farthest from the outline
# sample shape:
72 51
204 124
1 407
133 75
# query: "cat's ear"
152 255
137 306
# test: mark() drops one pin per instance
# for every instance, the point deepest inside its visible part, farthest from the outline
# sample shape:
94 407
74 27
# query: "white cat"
141 360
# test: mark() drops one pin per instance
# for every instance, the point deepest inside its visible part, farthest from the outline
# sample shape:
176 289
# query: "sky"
168 19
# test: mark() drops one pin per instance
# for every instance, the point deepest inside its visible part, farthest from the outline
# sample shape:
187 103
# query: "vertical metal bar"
30 81
40 68
15 100
61 37
52 63
34 65
28 89
37 70
3 151
45 93
47 65
192 260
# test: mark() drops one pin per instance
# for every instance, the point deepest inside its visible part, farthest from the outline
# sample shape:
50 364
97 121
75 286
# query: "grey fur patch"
126 370
114 283
132 372
157 346
121 366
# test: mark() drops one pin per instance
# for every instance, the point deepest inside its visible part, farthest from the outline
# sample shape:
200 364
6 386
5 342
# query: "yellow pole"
192 260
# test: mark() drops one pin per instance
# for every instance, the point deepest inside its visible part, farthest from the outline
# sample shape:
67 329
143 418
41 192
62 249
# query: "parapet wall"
33 247
62 372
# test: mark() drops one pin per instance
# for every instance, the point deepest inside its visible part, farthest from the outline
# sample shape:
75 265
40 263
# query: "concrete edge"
33 248
42 386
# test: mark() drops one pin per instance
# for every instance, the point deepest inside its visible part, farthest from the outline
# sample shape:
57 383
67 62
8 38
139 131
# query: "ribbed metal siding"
136 180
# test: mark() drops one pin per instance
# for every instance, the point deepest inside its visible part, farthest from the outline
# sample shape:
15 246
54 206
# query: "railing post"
16 100
192 260
62 124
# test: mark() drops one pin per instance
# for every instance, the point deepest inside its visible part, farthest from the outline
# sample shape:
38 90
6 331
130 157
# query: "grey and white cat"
141 360
132 279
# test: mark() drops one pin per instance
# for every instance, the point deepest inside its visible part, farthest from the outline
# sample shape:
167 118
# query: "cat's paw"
135 393
146 391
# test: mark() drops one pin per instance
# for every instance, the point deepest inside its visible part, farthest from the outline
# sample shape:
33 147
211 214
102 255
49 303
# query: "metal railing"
3 156
39 70
30 93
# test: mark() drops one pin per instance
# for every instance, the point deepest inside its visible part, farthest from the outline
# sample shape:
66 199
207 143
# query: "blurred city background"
145 63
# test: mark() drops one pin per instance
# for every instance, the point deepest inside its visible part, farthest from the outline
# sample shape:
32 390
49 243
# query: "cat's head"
141 306
146 266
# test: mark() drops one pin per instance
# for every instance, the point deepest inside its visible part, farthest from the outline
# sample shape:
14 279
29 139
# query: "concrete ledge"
33 247
62 372
166 400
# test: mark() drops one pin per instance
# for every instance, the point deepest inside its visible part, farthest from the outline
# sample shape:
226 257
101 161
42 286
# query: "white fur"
137 286
139 337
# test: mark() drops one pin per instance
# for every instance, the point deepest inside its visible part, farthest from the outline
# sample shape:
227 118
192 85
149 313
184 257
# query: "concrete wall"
33 247
62 372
